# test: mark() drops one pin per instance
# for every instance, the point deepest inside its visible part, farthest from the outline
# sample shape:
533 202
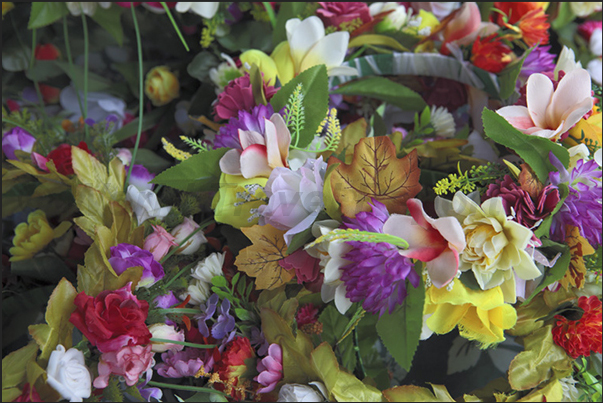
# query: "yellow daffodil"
161 85
238 199
33 236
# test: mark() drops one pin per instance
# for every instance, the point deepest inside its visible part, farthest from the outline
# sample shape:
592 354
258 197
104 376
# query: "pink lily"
260 153
438 242
270 369
551 112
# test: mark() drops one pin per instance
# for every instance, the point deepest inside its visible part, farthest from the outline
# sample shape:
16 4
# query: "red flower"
307 314
28 395
490 54
61 156
515 10
580 337
334 13
534 28
113 319
47 52
237 96
232 363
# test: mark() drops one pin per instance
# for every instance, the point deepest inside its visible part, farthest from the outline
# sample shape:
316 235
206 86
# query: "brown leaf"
375 173
261 260
529 182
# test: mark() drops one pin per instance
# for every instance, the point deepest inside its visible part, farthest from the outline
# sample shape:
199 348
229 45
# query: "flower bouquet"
301 201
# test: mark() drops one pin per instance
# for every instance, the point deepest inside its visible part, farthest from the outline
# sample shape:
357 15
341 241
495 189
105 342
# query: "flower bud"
163 331
182 231
161 86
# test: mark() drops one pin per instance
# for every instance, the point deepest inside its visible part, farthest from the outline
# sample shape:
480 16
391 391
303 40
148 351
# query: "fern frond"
295 117
195 143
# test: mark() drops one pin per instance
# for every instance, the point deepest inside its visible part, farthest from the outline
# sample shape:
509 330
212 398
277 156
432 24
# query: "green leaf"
96 83
358 315
45 13
248 35
257 85
43 70
401 330
219 281
285 13
544 228
201 64
14 364
148 121
200 172
15 57
565 15
45 268
109 19
316 98
558 270
243 314
385 90
508 77
299 240
333 324
534 150
151 161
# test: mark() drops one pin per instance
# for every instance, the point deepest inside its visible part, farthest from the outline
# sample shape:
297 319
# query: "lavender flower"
258 340
225 323
185 363
582 207
124 256
254 120
166 301
207 312
141 177
538 61
148 393
17 139
377 275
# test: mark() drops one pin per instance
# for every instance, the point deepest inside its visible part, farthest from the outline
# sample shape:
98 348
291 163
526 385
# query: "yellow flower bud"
161 85
264 63
31 237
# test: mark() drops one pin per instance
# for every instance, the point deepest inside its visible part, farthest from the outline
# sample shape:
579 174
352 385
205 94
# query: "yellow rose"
33 236
238 199
161 85
480 315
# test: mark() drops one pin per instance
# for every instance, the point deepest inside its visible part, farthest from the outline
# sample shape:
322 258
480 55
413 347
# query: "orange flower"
516 9
490 54
580 337
534 28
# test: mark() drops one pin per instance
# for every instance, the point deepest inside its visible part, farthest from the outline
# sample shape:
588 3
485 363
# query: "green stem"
185 268
12 122
70 61
179 310
182 343
358 356
201 226
169 14
86 50
31 65
357 53
140 97
185 387
270 12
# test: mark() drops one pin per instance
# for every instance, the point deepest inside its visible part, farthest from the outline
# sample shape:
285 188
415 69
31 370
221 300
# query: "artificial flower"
141 177
551 112
270 369
294 197
442 121
225 323
61 156
465 26
180 364
295 392
238 200
335 13
145 204
437 242
264 63
17 139
514 10
585 8
161 85
188 230
496 246
166 300
226 72
208 309
231 365
307 267
47 52
209 267
538 61
238 96
595 45
261 152
164 331
440 9
583 336
129 361
566 62
112 319
575 275
31 237
88 8
67 374
159 242
397 18
124 256
206 9
101 106
254 120
30 394
490 53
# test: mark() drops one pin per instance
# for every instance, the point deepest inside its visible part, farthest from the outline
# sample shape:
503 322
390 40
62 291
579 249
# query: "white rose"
295 392
209 267
145 204
67 374
163 331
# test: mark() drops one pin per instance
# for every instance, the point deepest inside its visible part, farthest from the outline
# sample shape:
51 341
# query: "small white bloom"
145 204
209 267
566 62
585 8
182 231
578 152
595 68
295 392
598 156
224 73
395 20
163 331
124 154
204 9
67 374
199 292
596 42
88 8
442 121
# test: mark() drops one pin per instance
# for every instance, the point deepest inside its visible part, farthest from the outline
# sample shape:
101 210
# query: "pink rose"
182 231
159 242
334 13
129 362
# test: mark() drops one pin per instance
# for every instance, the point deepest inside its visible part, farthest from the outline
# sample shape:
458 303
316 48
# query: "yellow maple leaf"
375 173
261 260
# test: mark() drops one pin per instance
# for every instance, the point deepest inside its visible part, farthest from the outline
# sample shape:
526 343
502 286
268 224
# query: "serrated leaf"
261 260
556 272
15 363
463 354
375 173
333 324
400 331
385 90
534 150
45 13
109 19
315 103
198 173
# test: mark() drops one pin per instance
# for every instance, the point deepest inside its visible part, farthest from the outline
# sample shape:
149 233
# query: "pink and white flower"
159 242
129 362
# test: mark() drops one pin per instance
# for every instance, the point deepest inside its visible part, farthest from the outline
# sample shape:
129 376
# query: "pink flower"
334 13
307 268
182 231
261 153
238 96
159 242
465 26
587 28
551 112
129 362
438 242
270 369
17 139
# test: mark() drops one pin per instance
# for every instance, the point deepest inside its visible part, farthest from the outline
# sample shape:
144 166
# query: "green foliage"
113 393
558 270
195 143
508 77
109 19
47 268
201 64
468 181
295 116
45 13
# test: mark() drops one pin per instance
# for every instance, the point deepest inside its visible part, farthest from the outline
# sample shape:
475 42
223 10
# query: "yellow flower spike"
173 151
266 65
161 85
33 236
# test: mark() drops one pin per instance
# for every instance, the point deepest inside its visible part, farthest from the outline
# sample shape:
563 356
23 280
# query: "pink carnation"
129 362
238 96
334 13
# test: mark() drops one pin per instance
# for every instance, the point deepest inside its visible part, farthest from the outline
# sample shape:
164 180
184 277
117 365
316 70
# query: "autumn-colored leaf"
375 173
261 260
529 182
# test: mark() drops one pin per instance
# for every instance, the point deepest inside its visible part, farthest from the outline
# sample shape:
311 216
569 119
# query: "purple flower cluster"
180 364
378 273
124 256
254 120
538 61
225 322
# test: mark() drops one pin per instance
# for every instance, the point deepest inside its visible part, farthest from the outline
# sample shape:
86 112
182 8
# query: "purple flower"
270 369
180 364
258 340
582 206
124 256
377 275
141 177
148 393
254 120
236 13
295 197
166 301
225 323
17 139
538 61
207 312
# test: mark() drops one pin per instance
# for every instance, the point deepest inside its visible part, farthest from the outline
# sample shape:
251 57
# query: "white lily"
204 9
145 204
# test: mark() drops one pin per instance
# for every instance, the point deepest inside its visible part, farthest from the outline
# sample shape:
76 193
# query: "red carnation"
580 337
113 319
232 364
490 54
61 156
238 96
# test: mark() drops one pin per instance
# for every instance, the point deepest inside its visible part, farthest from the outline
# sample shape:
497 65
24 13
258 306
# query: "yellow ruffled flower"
33 236
6 7
480 315
264 63
161 85
238 199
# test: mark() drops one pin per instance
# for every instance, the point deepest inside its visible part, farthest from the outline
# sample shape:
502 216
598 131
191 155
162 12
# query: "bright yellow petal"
284 63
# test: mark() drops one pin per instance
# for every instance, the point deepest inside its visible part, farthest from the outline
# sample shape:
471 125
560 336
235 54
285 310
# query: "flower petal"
283 137
230 163
304 36
329 51
538 97
249 137
518 116
254 162
443 268
572 90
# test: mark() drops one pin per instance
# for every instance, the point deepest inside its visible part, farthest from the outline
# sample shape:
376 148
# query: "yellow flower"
238 199
264 63
284 64
6 7
33 236
480 315
161 85
587 131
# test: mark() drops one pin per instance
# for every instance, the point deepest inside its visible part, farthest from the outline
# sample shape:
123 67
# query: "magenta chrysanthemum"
377 275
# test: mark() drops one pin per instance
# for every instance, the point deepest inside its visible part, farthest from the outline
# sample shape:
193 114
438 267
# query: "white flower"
295 392
598 156
87 7
442 121
209 267
67 374
163 331
145 204
594 68
585 8
566 62
578 152
204 9
394 20
595 44
199 292
182 231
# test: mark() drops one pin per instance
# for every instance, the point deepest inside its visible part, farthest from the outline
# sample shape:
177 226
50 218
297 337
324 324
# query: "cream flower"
442 121
551 112
145 204
199 292
209 267
67 374
566 62
495 249
206 9
167 332
585 8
